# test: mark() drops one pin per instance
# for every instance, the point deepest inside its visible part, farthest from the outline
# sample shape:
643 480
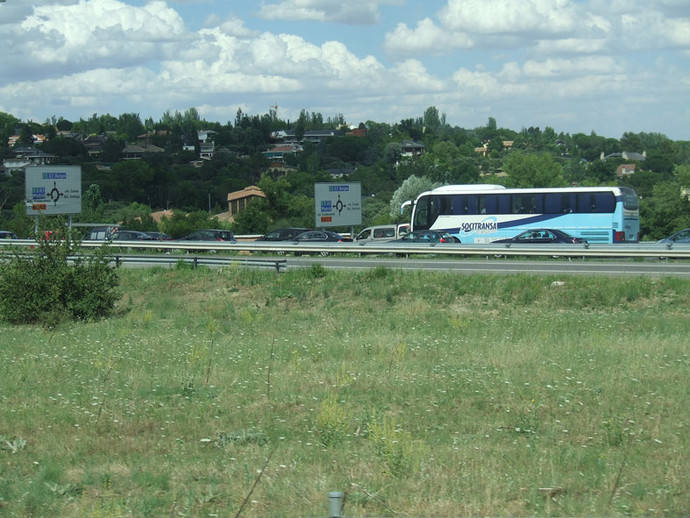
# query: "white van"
381 233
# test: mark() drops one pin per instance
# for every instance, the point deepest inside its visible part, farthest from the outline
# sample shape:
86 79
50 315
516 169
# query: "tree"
412 187
254 219
130 126
533 170
92 204
432 121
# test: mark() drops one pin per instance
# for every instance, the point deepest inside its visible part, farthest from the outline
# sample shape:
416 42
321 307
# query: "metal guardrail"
277 264
623 250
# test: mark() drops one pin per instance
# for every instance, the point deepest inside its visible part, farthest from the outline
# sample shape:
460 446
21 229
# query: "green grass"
418 394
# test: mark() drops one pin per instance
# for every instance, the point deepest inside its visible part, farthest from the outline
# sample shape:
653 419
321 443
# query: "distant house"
625 155
276 154
238 200
94 145
484 148
357 132
313 136
145 138
137 152
410 148
316 136
27 156
206 144
36 139
206 150
625 170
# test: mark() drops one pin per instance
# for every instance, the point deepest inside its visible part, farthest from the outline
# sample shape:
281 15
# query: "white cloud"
427 37
411 76
94 31
355 12
582 76
571 46
509 16
571 68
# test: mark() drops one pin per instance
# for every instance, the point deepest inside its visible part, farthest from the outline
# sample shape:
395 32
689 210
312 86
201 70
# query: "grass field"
242 392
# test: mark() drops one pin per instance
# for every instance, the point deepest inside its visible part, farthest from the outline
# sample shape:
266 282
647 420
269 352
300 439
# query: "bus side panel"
595 228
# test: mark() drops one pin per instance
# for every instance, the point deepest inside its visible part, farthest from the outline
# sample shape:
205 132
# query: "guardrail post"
196 262
335 504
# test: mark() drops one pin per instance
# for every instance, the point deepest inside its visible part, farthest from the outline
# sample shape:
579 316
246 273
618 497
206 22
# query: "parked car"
130 235
210 235
159 236
682 236
320 236
6 234
382 233
427 236
282 234
100 233
541 236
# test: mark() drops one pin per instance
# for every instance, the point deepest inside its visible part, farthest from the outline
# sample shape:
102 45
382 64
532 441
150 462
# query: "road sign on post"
337 204
53 189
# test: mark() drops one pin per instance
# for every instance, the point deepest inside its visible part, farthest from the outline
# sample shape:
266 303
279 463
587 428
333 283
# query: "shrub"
38 284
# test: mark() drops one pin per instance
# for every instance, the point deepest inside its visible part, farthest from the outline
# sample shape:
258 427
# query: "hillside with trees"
119 186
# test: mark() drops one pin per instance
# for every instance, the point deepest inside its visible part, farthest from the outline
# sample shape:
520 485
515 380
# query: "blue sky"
607 66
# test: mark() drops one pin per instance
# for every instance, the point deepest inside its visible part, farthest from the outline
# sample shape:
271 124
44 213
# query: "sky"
608 66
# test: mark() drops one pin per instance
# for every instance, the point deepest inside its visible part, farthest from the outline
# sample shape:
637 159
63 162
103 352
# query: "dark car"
6 234
311 236
537 236
320 236
210 235
130 235
100 233
682 236
283 234
427 236
159 236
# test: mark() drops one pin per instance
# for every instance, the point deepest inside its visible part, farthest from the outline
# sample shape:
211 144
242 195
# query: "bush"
38 284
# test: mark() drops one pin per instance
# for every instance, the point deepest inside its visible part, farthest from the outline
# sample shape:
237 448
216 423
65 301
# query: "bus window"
471 204
629 199
524 204
539 203
552 203
591 202
446 205
504 203
488 204
421 214
458 204
604 202
567 203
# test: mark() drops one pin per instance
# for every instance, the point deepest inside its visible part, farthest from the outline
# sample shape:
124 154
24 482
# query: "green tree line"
128 190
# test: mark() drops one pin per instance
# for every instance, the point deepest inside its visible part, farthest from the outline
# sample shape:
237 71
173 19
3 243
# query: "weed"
331 421
317 271
241 438
395 446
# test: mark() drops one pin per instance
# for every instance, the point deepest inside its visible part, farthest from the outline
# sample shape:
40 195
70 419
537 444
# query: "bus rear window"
629 199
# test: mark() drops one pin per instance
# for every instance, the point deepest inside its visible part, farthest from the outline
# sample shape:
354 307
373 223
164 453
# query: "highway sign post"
337 204
53 189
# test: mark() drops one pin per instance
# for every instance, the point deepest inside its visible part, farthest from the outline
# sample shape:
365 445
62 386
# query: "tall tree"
533 170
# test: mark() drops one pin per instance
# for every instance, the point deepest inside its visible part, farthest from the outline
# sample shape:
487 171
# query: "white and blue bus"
483 213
